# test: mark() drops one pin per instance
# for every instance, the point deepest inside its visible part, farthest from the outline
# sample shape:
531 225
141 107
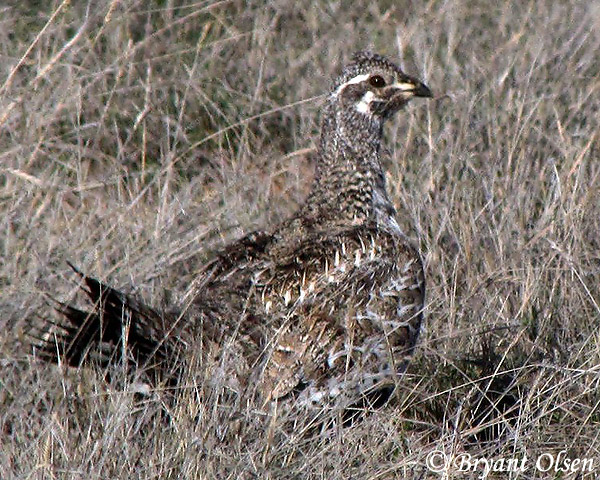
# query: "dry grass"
137 137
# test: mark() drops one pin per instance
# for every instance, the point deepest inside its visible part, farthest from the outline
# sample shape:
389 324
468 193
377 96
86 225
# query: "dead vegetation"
136 138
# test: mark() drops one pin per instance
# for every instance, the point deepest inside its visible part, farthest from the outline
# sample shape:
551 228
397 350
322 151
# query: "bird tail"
118 328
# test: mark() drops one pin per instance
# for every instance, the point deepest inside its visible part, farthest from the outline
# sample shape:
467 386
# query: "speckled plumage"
322 310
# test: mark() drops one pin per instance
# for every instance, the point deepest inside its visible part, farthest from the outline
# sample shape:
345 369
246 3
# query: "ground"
136 138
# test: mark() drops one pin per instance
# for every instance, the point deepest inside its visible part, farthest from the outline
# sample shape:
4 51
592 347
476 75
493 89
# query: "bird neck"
350 181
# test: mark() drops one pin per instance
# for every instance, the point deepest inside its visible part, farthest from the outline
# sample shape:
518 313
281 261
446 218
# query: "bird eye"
377 81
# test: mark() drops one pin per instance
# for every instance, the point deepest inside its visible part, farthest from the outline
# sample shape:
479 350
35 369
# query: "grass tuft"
137 138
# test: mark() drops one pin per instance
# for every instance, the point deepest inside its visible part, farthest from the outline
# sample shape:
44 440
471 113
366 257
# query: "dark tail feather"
70 340
117 323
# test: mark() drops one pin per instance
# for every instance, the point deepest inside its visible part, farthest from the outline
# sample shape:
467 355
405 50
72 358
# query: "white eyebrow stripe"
359 78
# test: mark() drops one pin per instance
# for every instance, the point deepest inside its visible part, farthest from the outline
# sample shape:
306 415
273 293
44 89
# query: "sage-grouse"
324 310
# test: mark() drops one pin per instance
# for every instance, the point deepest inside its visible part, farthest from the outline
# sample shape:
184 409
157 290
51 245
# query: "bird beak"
422 90
414 86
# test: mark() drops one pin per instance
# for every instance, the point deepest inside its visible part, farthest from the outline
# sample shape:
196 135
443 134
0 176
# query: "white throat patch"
365 102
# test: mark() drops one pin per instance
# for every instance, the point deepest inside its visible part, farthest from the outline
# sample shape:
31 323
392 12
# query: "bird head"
375 87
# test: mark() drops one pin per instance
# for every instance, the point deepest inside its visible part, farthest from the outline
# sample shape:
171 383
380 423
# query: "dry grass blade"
138 139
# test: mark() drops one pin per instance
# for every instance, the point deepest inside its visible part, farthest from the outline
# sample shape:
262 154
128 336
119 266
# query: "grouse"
324 309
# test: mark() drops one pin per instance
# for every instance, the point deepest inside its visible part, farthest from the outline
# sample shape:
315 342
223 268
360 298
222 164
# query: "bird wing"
331 299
